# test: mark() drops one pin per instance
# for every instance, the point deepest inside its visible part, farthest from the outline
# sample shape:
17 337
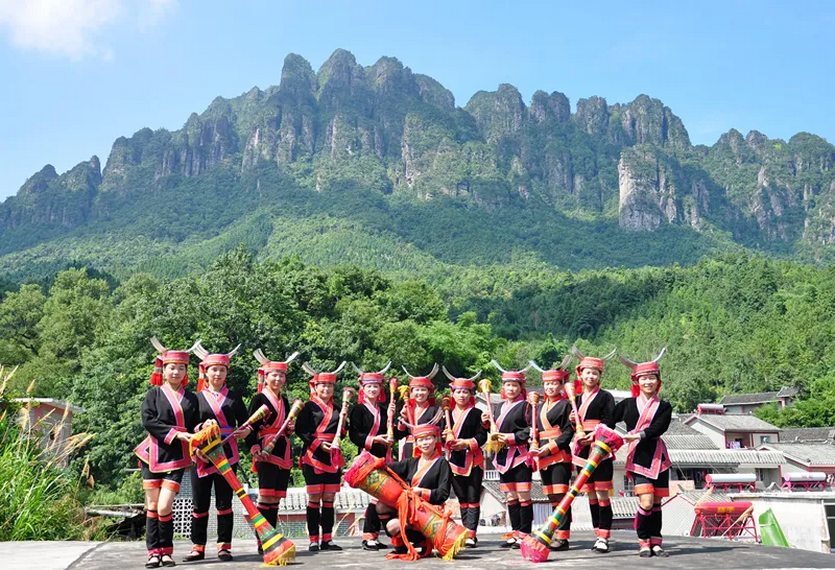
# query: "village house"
747 403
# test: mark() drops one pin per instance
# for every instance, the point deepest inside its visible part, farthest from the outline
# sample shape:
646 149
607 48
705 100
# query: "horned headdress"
643 369
372 378
429 428
422 381
560 373
268 366
588 362
461 383
208 359
512 376
323 377
166 356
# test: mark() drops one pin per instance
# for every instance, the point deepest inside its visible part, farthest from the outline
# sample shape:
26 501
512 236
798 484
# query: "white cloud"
73 28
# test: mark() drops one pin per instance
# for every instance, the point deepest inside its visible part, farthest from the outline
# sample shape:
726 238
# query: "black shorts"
317 483
468 489
272 480
516 480
167 480
659 487
601 478
556 478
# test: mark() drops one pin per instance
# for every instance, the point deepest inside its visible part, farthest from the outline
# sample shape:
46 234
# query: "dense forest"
735 322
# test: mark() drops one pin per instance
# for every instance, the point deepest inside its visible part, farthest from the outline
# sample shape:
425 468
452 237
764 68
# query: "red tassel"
636 390
185 380
156 377
201 377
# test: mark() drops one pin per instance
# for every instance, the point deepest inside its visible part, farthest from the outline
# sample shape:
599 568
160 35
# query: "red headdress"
321 377
461 383
429 428
513 376
166 356
268 365
372 378
558 374
643 369
424 382
209 359
588 362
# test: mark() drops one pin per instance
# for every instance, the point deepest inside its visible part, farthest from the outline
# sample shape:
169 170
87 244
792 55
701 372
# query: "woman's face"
426 444
420 394
371 391
217 376
324 390
275 380
590 377
553 388
512 389
648 384
174 372
462 396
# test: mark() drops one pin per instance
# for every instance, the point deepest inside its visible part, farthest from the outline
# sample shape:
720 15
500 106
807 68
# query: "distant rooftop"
734 422
811 454
807 435
60 404
759 397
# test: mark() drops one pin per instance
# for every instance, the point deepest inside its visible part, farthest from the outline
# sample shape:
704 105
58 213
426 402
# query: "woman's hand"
485 418
184 436
325 445
632 437
459 445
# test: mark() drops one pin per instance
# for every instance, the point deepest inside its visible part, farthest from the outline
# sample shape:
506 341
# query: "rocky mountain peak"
553 107
297 77
499 113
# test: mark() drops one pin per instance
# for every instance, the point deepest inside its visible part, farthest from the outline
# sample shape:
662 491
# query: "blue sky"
76 74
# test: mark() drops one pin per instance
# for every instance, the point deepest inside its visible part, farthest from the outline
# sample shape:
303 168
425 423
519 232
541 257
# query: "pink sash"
660 459
148 450
215 402
280 413
516 453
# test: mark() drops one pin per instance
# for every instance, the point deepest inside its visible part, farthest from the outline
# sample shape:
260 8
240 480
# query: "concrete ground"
685 553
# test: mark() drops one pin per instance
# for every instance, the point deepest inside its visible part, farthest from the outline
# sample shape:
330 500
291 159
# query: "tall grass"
39 497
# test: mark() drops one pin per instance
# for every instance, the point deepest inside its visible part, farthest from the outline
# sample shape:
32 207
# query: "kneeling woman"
430 477
169 413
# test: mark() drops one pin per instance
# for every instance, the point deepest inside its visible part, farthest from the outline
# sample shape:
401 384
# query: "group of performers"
443 448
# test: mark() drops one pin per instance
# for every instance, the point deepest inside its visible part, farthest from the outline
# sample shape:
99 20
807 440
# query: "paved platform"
685 553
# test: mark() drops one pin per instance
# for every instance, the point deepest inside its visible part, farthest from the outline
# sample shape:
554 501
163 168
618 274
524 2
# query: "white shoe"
601 545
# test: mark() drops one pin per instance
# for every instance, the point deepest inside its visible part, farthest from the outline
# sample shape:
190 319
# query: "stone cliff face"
47 199
385 128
